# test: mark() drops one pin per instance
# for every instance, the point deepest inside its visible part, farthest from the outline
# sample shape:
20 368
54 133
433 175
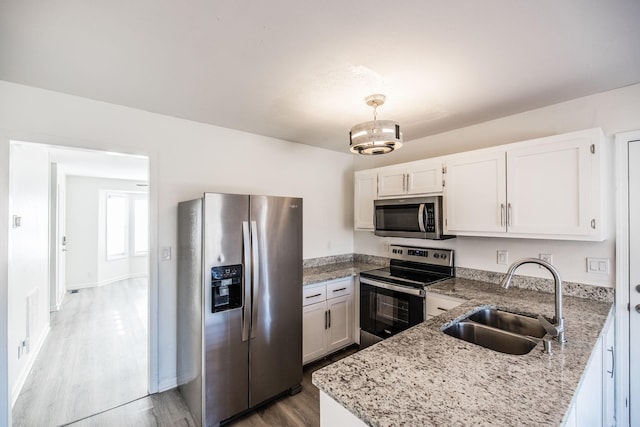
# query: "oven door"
386 309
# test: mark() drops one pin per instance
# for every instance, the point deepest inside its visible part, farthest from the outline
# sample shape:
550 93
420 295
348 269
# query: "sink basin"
509 322
491 338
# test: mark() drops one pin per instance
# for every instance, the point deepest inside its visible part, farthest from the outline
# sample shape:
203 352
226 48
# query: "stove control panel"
422 255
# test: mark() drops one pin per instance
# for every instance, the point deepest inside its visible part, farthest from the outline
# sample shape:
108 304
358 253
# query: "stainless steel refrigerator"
239 302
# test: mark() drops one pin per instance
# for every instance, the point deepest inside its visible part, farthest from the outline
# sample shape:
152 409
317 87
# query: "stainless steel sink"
491 338
499 331
509 322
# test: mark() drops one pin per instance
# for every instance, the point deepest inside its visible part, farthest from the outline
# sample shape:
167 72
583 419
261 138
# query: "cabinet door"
340 332
549 187
391 182
608 374
588 404
366 186
475 193
313 331
424 178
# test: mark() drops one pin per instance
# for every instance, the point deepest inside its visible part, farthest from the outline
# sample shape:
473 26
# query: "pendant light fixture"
377 136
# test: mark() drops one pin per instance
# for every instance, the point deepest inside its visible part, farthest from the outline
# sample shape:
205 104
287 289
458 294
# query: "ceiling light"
377 136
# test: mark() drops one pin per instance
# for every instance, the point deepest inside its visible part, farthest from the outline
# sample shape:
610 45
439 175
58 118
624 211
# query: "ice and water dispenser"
226 287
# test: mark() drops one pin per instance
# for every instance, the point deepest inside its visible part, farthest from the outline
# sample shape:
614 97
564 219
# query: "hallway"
94 357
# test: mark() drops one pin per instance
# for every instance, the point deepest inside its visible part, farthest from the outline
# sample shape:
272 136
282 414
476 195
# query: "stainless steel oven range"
392 299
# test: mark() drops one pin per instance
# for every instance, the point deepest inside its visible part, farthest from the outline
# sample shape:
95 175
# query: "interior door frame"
622 321
153 293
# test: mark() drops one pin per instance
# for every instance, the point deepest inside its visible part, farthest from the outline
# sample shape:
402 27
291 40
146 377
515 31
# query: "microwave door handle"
421 210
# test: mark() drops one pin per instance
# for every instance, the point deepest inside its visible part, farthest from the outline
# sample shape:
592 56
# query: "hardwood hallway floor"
168 409
94 358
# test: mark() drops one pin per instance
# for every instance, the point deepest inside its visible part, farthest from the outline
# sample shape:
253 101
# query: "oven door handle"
402 289
421 218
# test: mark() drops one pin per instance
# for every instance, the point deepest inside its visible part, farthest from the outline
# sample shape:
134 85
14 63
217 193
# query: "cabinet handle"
341 289
501 214
404 178
329 311
325 319
613 361
508 214
313 296
441 309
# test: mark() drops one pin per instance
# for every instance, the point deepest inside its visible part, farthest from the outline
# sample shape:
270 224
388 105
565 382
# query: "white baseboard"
105 282
22 377
167 384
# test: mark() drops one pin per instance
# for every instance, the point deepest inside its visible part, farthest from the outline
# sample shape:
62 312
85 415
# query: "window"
116 226
126 225
140 225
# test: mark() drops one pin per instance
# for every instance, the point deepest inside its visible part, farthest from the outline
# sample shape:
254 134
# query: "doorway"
628 278
83 333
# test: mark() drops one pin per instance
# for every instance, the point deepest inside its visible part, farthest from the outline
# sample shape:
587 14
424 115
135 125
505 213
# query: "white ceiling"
100 164
299 70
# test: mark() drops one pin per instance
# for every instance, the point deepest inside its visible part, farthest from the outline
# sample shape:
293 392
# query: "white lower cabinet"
438 304
327 318
593 401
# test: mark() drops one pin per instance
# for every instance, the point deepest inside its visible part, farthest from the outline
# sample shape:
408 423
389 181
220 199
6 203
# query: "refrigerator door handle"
255 250
246 303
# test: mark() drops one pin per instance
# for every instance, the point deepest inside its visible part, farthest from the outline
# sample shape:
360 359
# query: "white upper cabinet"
475 192
366 186
544 188
413 178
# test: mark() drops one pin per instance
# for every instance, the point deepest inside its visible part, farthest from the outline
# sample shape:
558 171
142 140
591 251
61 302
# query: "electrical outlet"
545 257
502 257
598 265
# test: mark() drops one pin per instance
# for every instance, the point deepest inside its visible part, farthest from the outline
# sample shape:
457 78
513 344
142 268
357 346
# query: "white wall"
86 261
614 111
28 251
187 159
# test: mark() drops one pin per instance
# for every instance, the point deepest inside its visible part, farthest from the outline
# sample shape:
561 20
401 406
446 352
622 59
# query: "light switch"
598 265
503 257
165 253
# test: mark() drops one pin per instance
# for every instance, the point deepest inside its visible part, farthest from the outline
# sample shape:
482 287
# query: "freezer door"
226 357
276 328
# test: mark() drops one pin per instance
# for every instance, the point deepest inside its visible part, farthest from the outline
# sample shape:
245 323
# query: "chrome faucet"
556 330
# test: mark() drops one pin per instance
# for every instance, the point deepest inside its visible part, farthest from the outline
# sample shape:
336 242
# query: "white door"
476 193
340 322
424 177
549 188
634 281
314 323
61 282
392 182
365 191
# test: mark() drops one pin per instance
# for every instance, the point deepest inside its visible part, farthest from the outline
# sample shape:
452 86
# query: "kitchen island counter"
424 377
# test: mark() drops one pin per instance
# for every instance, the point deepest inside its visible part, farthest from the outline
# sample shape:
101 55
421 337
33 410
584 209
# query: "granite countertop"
424 377
338 270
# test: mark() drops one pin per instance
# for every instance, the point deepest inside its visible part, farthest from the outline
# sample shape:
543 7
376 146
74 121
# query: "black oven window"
384 312
392 311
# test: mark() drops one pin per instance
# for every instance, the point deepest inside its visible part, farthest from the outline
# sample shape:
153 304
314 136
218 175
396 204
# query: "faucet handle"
548 326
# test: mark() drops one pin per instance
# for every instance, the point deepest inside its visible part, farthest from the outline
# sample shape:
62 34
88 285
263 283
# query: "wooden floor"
169 410
94 358
92 371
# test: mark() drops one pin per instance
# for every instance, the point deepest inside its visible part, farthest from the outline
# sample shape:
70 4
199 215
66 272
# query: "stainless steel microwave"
419 217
